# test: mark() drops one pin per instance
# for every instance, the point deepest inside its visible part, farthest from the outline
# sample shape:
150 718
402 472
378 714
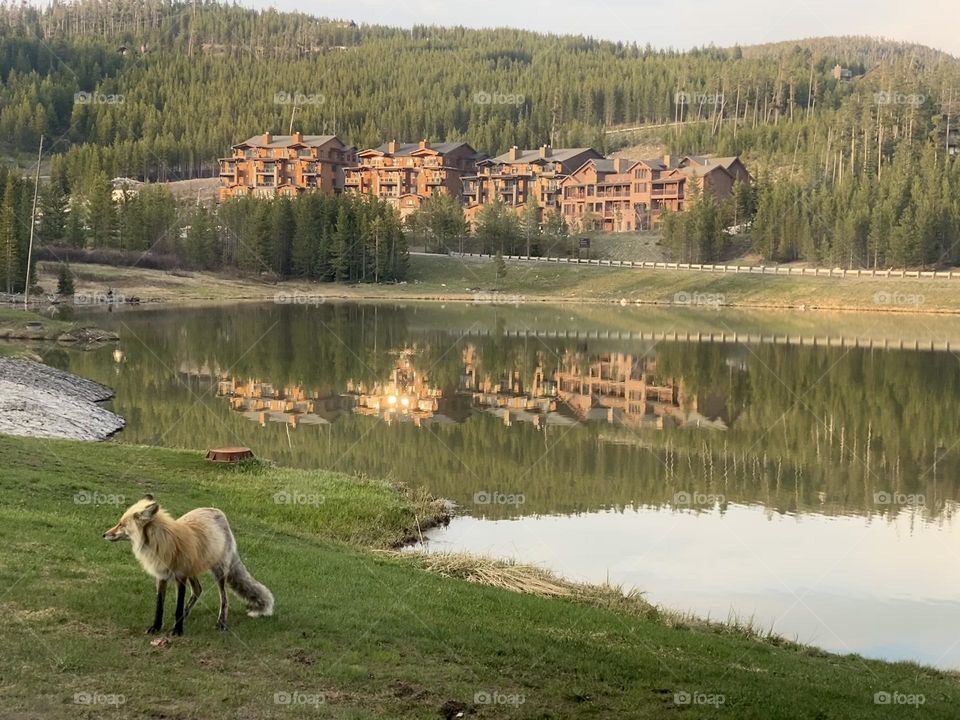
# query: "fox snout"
116 533
133 520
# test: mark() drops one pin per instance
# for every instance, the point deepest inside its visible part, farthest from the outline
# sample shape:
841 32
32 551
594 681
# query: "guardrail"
734 269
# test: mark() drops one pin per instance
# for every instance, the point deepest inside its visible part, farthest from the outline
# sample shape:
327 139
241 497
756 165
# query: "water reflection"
574 424
612 388
717 476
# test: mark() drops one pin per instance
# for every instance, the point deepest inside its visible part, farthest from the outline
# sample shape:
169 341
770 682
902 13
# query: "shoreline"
524 284
515 628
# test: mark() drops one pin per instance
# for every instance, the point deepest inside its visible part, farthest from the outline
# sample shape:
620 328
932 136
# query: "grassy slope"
14 318
443 277
373 636
430 275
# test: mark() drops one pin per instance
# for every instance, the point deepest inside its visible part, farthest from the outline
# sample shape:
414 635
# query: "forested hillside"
158 90
189 81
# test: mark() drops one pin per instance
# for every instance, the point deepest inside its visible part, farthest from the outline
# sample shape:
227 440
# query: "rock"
43 377
40 401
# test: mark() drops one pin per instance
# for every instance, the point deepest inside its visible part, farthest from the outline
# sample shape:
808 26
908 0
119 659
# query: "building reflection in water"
406 397
612 388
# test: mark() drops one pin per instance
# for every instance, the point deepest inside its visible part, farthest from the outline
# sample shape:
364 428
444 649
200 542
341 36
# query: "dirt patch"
452 709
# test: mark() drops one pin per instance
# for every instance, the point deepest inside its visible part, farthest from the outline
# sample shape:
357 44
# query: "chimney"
619 165
298 137
423 144
668 160
392 147
545 151
514 153
267 138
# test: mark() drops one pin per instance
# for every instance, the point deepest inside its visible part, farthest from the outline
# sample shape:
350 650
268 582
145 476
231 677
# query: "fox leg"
158 613
195 591
181 595
221 577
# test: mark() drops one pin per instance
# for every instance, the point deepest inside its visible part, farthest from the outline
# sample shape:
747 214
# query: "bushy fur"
180 550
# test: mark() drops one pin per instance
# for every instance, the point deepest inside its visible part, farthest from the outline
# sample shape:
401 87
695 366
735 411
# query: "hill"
160 89
857 170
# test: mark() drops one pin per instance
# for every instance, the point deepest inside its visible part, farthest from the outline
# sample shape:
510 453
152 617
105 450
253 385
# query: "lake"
797 472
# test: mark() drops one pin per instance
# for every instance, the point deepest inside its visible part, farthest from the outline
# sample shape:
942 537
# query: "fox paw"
177 631
153 630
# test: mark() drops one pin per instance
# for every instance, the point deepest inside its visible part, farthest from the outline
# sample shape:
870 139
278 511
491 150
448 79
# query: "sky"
680 24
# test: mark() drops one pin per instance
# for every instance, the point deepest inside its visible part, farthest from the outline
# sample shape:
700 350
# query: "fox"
181 550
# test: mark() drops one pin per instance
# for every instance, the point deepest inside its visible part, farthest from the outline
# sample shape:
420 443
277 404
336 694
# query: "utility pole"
33 225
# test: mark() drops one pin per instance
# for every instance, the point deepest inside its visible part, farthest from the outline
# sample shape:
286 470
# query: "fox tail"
258 598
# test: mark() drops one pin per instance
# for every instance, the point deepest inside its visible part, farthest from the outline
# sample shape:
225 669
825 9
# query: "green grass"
369 635
16 315
638 246
446 275
14 321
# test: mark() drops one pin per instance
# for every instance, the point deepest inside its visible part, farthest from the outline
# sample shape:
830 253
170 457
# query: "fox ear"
149 511
148 496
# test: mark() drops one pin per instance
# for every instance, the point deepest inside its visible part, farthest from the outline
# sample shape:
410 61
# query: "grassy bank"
22 325
14 319
445 278
357 633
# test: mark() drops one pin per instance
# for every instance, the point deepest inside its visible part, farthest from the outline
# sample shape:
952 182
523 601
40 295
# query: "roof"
709 161
701 170
610 166
607 166
530 156
405 149
282 141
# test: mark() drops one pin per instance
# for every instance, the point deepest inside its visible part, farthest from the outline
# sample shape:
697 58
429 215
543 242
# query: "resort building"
518 176
620 194
267 165
592 192
406 174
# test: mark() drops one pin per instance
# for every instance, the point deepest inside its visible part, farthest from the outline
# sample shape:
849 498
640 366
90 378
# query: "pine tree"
101 214
530 227
500 268
65 286
75 235
556 234
9 238
439 224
